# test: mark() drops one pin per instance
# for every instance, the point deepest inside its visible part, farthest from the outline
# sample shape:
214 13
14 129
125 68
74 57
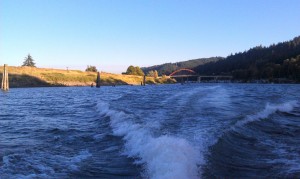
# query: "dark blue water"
167 131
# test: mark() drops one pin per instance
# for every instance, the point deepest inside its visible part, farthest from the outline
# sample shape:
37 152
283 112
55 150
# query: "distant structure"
186 74
98 80
5 83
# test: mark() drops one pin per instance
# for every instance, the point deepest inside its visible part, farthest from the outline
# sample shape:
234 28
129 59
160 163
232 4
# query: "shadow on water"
18 81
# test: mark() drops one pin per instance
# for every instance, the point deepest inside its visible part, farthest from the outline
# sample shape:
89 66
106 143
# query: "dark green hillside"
168 68
280 61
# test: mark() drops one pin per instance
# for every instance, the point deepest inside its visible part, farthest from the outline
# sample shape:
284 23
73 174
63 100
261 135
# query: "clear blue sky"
113 34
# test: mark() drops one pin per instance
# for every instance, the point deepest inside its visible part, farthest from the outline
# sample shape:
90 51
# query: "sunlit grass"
76 77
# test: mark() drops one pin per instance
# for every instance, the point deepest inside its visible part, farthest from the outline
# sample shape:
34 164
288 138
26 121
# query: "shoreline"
46 77
112 85
31 77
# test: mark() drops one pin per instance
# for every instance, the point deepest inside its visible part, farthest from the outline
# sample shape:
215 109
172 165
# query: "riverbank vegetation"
91 68
131 70
37 77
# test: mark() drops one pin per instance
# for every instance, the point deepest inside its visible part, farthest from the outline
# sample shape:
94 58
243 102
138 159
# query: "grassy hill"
40 77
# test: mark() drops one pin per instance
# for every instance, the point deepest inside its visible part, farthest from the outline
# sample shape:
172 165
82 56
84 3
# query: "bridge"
186 74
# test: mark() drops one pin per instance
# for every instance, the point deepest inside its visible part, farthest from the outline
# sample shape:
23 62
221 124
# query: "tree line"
168 68
275 62
131 70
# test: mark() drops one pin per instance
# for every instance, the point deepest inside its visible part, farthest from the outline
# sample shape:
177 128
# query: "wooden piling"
5 82
144 80
199 79
98 80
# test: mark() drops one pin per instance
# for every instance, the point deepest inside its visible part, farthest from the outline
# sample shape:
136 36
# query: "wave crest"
164 156
268 110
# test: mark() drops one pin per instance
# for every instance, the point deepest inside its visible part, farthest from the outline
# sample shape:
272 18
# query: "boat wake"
163 157
269 110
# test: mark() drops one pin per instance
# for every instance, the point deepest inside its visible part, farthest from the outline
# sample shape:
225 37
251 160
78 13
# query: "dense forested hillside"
168 68
276 62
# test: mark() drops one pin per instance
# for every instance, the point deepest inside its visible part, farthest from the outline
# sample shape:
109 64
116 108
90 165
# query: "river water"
166 131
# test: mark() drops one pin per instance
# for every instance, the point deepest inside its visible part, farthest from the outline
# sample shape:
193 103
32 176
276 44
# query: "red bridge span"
185 74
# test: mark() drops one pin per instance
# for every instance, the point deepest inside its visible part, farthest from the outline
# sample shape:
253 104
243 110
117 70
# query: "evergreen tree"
28 61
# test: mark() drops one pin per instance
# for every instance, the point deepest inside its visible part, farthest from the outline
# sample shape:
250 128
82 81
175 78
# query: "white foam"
268 110
164 156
